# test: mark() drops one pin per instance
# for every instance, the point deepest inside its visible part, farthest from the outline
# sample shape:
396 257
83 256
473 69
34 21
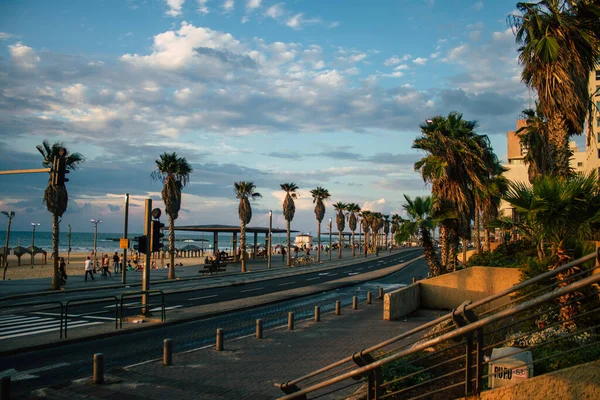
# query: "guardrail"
452 353
92 300
142 306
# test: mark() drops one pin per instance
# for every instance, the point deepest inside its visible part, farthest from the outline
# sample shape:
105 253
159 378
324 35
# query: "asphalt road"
33 370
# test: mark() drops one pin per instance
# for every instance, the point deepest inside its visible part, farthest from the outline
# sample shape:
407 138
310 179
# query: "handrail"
125 295
291 383
91 300
458 332
40 303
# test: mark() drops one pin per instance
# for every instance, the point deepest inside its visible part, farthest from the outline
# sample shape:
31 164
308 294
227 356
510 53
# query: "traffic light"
156 235
141 244
61 171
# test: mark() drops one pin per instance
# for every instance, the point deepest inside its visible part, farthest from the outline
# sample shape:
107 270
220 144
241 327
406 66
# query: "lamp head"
270 213
429 121
34 224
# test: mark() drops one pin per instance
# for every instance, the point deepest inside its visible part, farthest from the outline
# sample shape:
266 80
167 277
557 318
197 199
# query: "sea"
109 242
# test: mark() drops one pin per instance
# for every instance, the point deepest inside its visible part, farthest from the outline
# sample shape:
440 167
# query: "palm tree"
319 196
352 209
421 223
366 217
289 209
396 220
386 228
559 47
244 191
56 197
376 225
497 188
174 173
340 220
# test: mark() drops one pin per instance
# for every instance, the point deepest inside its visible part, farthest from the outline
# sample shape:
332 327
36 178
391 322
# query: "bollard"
98 368
354 303
368 297
317 313
259 329
337 307
5 388
219 344
414 279
380 293
290 321
167 352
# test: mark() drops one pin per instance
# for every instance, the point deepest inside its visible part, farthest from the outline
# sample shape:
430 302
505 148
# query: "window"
580 164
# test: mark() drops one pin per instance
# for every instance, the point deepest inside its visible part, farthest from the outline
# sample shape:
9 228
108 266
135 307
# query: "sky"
316 92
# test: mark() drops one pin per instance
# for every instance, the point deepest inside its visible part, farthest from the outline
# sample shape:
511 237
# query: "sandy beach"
75 266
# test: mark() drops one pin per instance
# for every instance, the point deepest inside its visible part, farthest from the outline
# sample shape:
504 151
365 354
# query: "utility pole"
125 225
69 248
148 257
10 216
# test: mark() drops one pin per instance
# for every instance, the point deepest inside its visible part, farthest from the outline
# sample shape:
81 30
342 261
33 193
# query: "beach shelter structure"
234 230
37 250
19 251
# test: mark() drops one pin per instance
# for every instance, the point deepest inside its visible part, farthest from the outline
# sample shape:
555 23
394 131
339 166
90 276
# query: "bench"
213 267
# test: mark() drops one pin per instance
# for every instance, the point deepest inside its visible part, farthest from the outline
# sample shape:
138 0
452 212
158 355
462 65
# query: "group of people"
91 269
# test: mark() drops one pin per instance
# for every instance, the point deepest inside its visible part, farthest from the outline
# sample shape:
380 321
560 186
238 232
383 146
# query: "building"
592 160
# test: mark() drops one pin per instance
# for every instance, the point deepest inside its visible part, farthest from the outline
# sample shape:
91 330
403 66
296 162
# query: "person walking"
105 265
62 267
116 262
89 268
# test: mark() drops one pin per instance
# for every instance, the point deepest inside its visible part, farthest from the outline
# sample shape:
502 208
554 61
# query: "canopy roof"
226 229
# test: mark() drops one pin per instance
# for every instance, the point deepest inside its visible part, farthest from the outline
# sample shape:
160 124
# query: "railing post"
380 293
337 307
167 352
368 297
5 387
479 361
98 368
468 364
354 303
317 313
290 321
259 329
219 344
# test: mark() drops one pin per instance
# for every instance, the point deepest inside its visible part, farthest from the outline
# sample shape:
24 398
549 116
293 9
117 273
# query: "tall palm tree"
352 209
366 217
340 220
421 223
174 173
245 191
396 220
56 197
386 228
319 195
559 47
376 225
289 209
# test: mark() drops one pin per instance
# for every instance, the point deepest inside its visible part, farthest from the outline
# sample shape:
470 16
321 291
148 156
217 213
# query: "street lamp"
95 222
33 226
10 216
269 239
330 247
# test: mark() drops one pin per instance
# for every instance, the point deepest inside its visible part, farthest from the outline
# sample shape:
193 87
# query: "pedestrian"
105 271
89 268
116 262
283 254
63 271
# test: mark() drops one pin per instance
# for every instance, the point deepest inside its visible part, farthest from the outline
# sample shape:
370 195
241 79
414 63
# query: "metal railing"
144 307
90 301
452 353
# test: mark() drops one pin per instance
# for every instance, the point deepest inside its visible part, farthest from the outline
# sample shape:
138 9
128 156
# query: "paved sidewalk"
248 368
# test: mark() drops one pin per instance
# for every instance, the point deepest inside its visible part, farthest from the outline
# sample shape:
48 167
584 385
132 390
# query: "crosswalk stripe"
46 330
27 323
17 318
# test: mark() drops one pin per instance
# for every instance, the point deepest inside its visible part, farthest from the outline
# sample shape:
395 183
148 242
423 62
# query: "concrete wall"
578 382
401 302
451 290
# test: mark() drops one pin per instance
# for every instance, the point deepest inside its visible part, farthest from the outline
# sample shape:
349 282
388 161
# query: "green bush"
400 369
507 254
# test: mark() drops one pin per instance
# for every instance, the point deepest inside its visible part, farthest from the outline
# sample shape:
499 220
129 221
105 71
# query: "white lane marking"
29 374
25 320
166 308
251 290
288 283
28 325
80 315
203 297
332 274
359 269
72 325
324 273
125 304
352 273
371 266
312 279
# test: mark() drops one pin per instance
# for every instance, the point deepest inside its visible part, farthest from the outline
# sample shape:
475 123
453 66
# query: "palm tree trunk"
432 261
171 248
289 238
366 243
243 244
445 246
55 238
559 139
339 245
353 252
477 235
487 240
318 241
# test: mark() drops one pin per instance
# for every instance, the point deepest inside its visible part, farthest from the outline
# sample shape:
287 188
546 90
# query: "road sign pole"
125 224
146 276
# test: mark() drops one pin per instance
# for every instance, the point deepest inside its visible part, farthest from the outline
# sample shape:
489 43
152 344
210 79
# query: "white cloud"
420 61
475 35
401 67
4 35
478 5
435 55
396 60
74 93
244 19
174 7
376 205
202 8
253 4
23 56
334 24
295 22
228 6
395 74
329 78
275 11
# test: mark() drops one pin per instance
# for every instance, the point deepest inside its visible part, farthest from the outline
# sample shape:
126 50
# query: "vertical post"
317 313
330 248
148 257
354 303
5 387
255 245
125 228
95 261
215 243
259 329
269 240
380 293
10 215
98 368
69 246
479 361
368 297
235 256
32 242
219 344
290 321
337 307
468 364
167 352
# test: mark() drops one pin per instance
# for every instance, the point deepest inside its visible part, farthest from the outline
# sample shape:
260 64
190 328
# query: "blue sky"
320 93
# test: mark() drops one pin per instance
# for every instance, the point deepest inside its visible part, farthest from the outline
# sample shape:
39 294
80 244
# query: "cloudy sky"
317 92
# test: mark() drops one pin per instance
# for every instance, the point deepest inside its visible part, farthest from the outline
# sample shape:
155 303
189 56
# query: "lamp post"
33 226
269 240
330 248
95 222
69 245
10 216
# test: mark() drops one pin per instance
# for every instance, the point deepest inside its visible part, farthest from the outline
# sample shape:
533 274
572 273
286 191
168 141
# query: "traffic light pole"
124 263
148 256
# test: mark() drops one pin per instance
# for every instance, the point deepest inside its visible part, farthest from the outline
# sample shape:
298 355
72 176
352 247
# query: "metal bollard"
5 388
354 303
337 307
219 344
98 368
317 313
290 321
380 293
414 279
259 329
368 297
167 352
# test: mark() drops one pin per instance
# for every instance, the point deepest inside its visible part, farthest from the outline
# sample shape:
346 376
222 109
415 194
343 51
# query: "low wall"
448 291
401 302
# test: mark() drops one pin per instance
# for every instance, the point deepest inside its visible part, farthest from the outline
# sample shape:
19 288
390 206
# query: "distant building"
592 159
